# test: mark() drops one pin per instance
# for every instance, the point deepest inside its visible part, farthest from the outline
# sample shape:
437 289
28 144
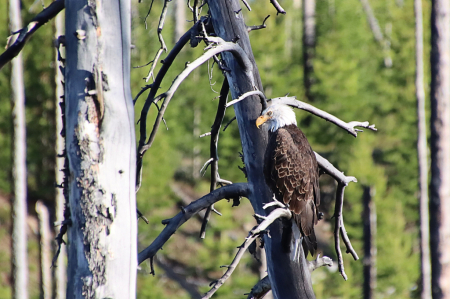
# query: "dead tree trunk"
440 149
309 44
422 158
288 279
60 269
19 207
100 144
45 240
370 245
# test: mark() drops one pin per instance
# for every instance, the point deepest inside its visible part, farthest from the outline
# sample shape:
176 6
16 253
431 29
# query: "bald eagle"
292 173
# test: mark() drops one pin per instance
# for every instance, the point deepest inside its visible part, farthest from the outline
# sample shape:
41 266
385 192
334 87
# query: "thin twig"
238 189
247 5
257 27
278 7
213 151
253 234
349 127
163 47
337 226
154 89
228 123
26 32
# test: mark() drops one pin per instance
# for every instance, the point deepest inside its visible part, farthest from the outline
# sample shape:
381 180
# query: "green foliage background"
351 82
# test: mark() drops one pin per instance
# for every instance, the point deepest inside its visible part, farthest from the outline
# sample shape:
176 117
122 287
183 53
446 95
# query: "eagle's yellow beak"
262 119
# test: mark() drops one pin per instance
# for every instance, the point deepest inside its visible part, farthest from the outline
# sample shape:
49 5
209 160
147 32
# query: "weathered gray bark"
440 149
19 207
370 244
45 240
100 144
288 279
60 269
309 44
422 158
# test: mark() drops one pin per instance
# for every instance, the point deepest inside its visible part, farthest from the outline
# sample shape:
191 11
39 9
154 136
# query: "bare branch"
25 33
260 289
238 189
338 221
254 233
329 169
257 27
349 127
154 89
217 46
228 123
347 242
247 5
278 7
162 19
320 262
245 95
213 151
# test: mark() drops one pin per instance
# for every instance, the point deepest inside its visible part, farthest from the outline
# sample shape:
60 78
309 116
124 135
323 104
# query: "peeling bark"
100 143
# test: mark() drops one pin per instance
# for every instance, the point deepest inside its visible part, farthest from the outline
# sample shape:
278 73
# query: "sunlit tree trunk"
45 239
440 149
422 158
19 207
60 270
100 145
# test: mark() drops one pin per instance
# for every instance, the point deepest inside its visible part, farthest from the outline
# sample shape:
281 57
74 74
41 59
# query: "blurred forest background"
355 78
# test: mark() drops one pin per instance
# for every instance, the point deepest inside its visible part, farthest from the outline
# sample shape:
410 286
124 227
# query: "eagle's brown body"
292 173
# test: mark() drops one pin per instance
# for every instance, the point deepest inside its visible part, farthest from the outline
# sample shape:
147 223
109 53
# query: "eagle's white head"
277 116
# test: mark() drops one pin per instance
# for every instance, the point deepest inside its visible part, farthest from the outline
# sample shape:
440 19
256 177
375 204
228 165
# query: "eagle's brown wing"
292 173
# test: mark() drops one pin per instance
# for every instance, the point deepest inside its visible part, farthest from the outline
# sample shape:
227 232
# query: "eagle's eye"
270 113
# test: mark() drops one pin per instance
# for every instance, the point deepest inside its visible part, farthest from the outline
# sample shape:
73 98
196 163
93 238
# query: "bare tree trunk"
60 270
422 158
370 244
309 44
45 237
100 144
289 279
179 19
19 208
440 149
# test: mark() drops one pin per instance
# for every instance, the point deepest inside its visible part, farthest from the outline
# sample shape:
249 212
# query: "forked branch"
230 191
253 234
25 33
350 127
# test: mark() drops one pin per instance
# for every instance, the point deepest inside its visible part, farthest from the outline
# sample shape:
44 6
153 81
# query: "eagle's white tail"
296 242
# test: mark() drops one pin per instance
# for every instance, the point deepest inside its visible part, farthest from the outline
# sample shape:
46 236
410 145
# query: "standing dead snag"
100 143
288 278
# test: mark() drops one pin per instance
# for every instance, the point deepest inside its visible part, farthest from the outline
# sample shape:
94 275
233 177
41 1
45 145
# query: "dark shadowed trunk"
440 149
19 257
309 44
288 279
100 144
370 245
